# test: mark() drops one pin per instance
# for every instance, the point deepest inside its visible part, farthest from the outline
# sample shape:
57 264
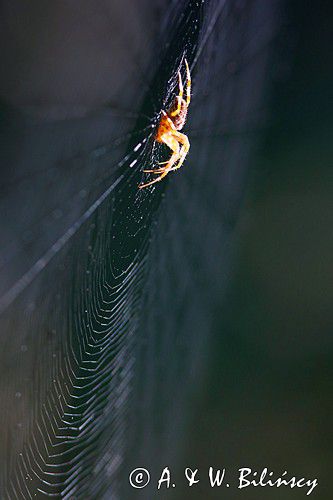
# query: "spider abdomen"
180 119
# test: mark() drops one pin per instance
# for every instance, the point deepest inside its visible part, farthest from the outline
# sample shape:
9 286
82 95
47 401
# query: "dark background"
208 298
269 402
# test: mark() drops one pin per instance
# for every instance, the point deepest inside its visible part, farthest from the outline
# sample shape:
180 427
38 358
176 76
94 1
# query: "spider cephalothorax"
168 133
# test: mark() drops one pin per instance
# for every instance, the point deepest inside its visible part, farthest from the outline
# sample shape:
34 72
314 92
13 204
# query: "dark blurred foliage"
270 397
200 310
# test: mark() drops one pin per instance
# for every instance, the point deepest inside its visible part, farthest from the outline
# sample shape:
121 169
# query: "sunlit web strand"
40 264
9 249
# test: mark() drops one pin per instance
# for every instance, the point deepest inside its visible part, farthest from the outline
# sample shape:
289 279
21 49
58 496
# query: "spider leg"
179 97
173 144
160 170
188 84
182 138
163 139
157 170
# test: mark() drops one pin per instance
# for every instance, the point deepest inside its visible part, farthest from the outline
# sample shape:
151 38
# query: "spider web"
111 291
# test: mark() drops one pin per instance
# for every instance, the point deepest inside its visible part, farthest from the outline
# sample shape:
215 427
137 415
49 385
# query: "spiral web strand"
109 319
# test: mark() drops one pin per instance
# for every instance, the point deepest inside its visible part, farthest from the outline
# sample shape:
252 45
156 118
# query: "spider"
168 133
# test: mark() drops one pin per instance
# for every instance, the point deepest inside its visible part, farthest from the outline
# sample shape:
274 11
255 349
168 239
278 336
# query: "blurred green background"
259 381
270 397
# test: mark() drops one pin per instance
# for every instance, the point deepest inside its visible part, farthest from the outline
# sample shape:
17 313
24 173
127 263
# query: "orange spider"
168 133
